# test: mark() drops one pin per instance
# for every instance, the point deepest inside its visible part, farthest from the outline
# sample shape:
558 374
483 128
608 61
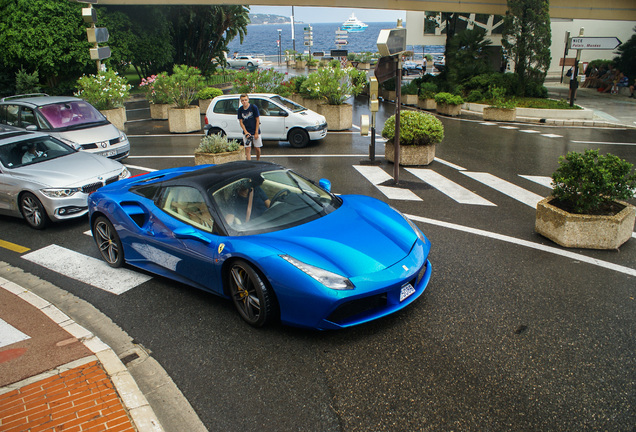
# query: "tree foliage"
626 60
526 40
469 52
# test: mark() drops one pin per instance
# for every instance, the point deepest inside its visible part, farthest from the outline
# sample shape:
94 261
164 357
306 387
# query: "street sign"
385 69
392 42
309 43
341 42
342 32
97 34
100 53
339 53
596 43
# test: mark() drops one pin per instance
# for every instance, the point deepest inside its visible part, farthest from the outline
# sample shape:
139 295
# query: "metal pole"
396 142
574 79
293 32
565 53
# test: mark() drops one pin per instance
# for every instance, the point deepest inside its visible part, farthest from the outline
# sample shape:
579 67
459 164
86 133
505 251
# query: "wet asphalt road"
505 337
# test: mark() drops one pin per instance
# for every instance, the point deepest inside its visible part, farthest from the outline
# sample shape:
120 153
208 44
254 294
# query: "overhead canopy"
620 10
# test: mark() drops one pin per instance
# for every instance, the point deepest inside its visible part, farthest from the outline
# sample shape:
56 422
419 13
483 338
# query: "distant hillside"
269 19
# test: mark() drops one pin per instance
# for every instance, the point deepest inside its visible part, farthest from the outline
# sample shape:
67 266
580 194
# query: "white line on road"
542 180
10 335
140 168
520 194
86 269
452 165
525 243
377 176
604 142
449 187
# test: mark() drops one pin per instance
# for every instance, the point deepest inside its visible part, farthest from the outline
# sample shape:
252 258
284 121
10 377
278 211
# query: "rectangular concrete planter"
500 114
117 116
184 120
409 99
584 231
203 105
410 155
160 111
219 158
339 117
427 104
449 110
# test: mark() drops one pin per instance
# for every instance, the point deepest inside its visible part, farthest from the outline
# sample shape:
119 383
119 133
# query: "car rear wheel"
33 211
216 131
252 298
250 64
298 138
108 242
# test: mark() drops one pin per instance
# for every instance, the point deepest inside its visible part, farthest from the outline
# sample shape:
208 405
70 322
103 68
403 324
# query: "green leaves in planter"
589 182
106 90
209 93
416 128
448 99
216 143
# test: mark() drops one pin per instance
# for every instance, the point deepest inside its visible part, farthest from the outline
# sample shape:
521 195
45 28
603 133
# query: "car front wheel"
33 211
298 138
216 131
108 242
252 298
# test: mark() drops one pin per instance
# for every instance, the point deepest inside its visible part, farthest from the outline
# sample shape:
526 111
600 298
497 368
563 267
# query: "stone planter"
300 64
584 231
339 117
219 158
117 116
312 67
203 105
409 99
160 111
311 104
410 155
449 110
427 104
500 114
364 66
184 120
388 95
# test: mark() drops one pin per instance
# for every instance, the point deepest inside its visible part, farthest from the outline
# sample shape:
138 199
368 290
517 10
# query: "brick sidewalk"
80 399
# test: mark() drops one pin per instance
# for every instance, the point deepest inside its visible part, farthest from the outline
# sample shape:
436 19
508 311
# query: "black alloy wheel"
252 298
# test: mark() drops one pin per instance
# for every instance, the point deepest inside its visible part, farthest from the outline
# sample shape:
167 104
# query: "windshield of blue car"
72 115
273 201
32 151
290 105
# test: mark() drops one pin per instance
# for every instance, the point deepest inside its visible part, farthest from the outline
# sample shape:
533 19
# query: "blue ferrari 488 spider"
278 245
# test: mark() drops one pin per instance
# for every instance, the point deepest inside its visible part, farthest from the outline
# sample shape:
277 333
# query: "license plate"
109 153
406 291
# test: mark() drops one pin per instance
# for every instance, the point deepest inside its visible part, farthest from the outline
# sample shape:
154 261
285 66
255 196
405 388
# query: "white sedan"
244 61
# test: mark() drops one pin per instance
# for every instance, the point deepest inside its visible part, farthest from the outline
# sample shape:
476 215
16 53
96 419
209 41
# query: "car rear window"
72 113
227 106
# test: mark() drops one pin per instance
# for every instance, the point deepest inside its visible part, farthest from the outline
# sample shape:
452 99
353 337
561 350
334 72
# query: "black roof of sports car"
224 173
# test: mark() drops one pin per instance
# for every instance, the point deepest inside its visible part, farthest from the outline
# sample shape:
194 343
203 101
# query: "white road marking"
553 250
452 165
552 136
488 124
377 176
508 127
86 269
10 335
449 187
542 180
140 168
530 131
604 142
520 194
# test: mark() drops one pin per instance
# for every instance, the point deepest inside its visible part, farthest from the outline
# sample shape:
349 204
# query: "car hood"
91 134
69 171
363 236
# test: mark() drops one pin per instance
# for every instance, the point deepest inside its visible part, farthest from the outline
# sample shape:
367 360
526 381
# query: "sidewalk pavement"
56 375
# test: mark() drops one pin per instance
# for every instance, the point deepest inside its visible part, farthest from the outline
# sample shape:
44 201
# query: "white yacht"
353 24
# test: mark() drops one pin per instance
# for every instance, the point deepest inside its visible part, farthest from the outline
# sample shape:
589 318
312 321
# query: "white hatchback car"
280 119
244 61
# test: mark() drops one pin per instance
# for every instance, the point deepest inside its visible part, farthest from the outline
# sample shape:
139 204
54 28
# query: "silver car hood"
91 134
74 170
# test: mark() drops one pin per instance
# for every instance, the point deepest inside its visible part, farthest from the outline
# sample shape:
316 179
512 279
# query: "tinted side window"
227 106
3 114
12 115
27 117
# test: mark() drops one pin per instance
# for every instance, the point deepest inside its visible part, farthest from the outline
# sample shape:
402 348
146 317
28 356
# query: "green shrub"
428 90
499 99
475 96
106 90
389 85
448 99
587 183
410 89
216 143
183 85
332 83
209 93
262 81
416 128
26 82
537 90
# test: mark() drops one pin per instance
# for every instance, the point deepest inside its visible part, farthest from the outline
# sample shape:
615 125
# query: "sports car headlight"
327 278
124 174
59 192
412 225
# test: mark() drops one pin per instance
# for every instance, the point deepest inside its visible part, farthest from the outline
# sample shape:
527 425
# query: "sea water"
262 39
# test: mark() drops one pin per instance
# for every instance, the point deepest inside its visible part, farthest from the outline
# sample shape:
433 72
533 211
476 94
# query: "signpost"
95 35
595 43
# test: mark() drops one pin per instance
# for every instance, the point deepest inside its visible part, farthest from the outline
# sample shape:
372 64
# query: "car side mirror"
189 233
32 128
325 184
283 113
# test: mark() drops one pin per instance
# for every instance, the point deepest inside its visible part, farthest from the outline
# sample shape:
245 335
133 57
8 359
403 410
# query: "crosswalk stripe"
518 193
86 269
508 127
552 136
449 187
377 176
542 180
530 131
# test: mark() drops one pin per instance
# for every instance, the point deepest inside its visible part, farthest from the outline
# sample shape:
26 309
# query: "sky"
312 15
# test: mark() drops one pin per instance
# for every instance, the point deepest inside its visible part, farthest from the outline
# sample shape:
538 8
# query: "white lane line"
161 157
525 243
488 124
449 187
164 136
508 127
140 168
86 269
604 142
520 194
264 156
10 335
552 136
452 165
377 176
542 180
530 131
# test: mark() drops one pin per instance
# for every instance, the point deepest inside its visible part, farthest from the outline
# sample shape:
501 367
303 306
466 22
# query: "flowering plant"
183 85
215 143
106 90
262 81
332 83
156 88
